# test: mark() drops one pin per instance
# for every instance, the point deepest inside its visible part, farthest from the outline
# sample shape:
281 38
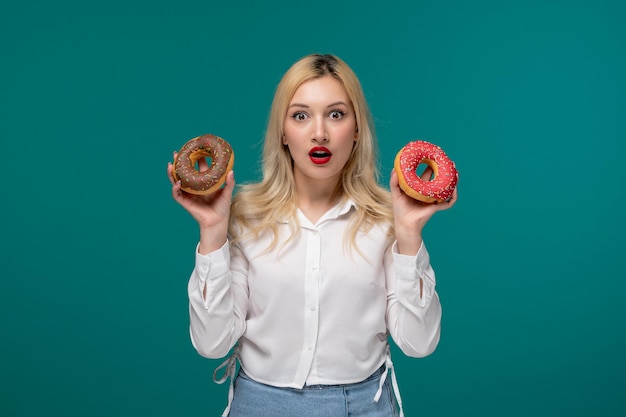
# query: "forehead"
320 90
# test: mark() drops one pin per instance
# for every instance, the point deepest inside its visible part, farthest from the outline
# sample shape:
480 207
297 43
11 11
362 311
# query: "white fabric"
230 366
314 311
394 382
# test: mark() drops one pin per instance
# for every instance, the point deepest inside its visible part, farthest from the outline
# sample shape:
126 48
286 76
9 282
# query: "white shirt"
314 311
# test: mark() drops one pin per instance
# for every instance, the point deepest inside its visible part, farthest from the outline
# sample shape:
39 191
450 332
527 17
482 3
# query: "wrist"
408 243
212 239
408 250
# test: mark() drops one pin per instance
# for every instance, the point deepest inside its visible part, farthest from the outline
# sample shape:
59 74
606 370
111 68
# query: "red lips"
320 155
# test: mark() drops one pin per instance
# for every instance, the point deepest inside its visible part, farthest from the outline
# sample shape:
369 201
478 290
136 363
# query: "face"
320 131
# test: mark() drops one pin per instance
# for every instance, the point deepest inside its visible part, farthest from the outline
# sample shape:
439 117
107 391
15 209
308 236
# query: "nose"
319 133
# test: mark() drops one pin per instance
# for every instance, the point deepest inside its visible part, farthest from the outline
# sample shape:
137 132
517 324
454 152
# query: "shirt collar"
343 207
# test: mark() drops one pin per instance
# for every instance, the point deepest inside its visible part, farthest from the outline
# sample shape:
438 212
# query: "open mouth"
320 155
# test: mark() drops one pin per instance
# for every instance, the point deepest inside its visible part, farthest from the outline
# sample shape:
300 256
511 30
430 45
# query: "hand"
411 215
210 211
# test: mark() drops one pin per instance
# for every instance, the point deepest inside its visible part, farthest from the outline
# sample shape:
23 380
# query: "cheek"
347 133
348 128
290 134
286 135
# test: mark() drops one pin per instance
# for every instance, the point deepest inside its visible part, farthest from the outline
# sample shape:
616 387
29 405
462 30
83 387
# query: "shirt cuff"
409 271
419 262
213 264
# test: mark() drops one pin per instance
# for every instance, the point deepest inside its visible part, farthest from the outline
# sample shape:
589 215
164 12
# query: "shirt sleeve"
217 299
413 306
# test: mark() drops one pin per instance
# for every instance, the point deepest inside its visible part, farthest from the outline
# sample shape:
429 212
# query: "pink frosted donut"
446 176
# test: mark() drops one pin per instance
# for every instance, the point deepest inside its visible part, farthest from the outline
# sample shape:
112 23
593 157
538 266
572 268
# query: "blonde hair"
258 207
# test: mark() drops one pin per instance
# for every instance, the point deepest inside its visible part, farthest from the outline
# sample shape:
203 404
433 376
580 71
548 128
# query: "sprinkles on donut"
445 174
209 181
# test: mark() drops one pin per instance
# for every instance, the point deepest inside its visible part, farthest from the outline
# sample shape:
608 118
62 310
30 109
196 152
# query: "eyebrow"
337 103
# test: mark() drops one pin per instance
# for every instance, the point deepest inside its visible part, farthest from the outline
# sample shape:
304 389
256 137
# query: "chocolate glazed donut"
209 181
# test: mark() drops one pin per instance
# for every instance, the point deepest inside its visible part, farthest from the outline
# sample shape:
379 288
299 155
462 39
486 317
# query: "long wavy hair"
257 207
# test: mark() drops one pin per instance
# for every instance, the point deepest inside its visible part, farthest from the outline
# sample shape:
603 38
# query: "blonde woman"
307 272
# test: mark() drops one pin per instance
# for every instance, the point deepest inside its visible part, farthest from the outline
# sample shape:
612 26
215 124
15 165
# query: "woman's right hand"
210 211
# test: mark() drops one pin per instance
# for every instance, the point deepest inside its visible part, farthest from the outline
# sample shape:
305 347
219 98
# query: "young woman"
307 272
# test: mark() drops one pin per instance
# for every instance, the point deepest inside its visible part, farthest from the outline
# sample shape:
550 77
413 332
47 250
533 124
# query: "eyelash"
296 114
341 114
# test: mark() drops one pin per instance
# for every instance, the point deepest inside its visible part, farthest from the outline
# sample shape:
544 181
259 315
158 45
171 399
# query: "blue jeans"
253 399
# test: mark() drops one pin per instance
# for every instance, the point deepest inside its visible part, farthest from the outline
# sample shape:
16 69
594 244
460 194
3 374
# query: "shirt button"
314 267
310 347
312 308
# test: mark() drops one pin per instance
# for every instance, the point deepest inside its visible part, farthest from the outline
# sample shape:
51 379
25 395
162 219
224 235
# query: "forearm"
417 328
408 242
215 321
414 310
212 238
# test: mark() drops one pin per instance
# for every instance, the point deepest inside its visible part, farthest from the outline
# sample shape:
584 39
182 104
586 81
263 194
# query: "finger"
170 172
203 165
177 192
427 174
451 201
230 182
394 184
393 180
454 198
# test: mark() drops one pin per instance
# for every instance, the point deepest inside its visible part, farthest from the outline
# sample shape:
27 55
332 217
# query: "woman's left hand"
411 215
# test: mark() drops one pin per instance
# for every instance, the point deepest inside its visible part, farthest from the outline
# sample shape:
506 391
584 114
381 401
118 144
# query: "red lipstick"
320 155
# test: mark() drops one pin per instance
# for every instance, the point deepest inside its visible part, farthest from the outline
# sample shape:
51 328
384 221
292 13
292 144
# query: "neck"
316 199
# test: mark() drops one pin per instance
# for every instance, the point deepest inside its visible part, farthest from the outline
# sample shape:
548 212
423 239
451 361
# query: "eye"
299 116
336 114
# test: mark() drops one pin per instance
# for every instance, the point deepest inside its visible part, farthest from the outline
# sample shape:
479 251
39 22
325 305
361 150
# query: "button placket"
311 301
312 287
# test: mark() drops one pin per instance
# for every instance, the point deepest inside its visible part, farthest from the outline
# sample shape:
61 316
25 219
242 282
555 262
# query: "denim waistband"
377 374
381 374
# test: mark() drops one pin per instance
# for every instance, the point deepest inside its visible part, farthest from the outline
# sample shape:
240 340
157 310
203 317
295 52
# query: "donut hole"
200 167
421 169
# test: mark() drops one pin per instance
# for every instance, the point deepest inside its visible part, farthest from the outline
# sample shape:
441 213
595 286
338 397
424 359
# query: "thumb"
230 182
394 184
393 179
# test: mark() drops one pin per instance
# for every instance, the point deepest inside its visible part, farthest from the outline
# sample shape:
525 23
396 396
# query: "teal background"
528 97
